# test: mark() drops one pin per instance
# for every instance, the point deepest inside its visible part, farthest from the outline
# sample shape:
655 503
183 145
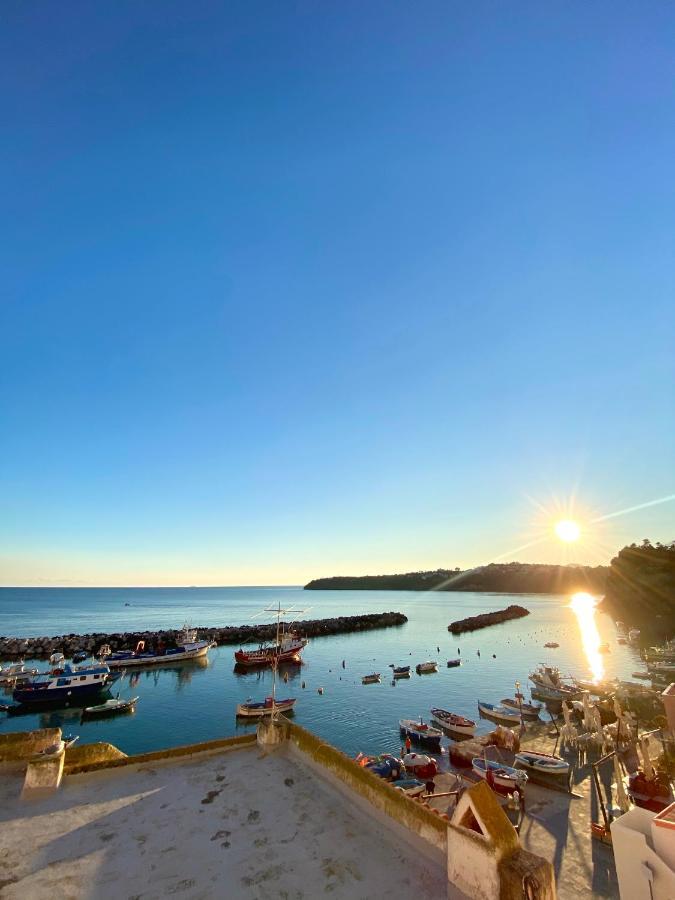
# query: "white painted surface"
631 838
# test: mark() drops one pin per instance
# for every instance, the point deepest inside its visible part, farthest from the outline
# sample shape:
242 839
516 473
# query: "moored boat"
544 763
422 733
69 686
504 779
528 710
549 678
269 705
551 645
426 667
401 671
371 679
634 635
287 650
16 673
187 647
453 722
501 713
110 707
453 663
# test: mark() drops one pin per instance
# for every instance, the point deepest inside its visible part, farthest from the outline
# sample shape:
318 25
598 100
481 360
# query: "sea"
188 702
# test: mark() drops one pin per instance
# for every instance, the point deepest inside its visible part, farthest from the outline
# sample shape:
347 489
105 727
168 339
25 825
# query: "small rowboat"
410 786
452 663
421 733
371 679
543 763
530 710
401 671
644 675
265 708
500 777
453 722
110 707
551 645
502 713
426 667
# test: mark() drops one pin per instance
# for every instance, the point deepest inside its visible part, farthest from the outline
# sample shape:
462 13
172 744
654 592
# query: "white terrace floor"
234 825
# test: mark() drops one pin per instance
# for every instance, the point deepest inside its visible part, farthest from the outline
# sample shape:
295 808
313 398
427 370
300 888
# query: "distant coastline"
512 578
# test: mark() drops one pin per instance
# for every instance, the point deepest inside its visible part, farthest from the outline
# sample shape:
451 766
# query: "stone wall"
18 745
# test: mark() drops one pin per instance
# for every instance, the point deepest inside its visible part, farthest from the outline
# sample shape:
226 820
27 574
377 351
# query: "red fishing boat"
286 650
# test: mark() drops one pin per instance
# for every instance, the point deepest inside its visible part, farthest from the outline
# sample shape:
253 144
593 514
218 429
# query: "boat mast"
280 611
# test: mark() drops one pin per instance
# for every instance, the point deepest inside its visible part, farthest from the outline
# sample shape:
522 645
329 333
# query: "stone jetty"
473 623
43 647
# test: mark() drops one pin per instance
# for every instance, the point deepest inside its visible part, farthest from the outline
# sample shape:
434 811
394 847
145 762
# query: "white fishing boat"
502 778
550 679
543 763
187 647
267 707
453 722
16 673
110 707
501 713
528 710
422 733
425 668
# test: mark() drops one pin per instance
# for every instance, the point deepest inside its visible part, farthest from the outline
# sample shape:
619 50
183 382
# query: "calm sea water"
192 702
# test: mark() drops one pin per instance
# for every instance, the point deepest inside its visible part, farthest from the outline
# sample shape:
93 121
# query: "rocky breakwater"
43 647
473 623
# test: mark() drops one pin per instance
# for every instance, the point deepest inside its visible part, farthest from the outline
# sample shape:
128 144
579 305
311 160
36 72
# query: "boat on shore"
425 668
504 779
286 650
371 679
187 647
267 707
453 722
528 710
500 713
110 708
544 764
410 786
422 733
420 766
70 686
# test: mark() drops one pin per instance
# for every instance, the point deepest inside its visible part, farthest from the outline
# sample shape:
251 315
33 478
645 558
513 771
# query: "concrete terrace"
238 825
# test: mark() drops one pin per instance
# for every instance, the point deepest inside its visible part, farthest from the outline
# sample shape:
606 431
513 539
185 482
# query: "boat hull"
155 659
543 764
502 778
246 711
452 722
70 694
509 717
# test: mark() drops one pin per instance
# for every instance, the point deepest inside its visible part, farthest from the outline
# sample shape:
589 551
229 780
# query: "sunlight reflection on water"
583 606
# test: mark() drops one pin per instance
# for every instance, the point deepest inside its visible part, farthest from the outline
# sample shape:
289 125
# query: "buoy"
320 690
303 685
477 652
494 656
343 663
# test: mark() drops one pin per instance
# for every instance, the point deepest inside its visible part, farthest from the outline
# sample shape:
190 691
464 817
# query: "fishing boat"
68 687
544 764
110 707
286 650
453 663
422 733
597 688
529 710
645 676
634 635
187 647
265 708
501 713
371 679
401 671
549 678
426 667
410 786
551 645
453 722
504 779
15 673
420 766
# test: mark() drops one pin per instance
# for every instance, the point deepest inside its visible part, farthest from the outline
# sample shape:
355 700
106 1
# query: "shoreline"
13 648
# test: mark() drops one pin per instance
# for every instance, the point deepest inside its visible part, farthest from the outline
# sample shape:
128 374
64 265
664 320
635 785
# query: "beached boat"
529 710
187 647
420 766
68 687
451 721
426 667
265 708
110 707
544 764
453 663
501 713
422 733
401 671
410 786
384 766
371 679
502 778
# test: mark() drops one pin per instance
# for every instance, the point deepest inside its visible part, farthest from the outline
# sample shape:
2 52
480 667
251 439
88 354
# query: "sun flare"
567 530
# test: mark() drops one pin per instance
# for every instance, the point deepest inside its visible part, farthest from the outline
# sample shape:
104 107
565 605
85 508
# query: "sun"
567 530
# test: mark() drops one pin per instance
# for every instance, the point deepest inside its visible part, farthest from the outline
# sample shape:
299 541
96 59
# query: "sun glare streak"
583 606
630 509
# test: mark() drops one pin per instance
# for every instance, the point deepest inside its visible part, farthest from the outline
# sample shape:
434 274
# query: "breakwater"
473 623
43 647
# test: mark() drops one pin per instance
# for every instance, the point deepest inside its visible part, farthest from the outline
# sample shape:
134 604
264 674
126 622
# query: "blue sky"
302 289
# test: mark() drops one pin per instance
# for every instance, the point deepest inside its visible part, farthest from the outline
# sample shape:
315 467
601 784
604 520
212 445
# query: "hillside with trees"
640 587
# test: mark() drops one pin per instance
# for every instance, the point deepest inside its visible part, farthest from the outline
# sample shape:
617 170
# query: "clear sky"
301 289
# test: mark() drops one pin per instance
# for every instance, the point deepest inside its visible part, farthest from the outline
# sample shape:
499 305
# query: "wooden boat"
426 667
504 779
110 707
452 663
529 710
453 722
265 708
544 763
422 733
501 713
400 671
551 645
410 786
371 679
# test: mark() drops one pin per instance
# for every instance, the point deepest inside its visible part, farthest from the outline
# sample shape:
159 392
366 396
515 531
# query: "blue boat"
66 685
